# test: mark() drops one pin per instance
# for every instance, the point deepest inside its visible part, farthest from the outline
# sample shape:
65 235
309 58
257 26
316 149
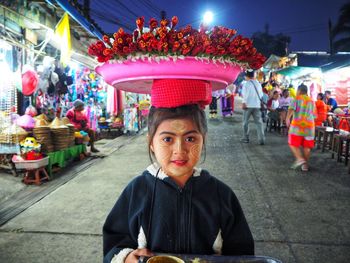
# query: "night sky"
305 21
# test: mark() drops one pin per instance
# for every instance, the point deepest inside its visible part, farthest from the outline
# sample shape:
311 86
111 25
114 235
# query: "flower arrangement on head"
163 41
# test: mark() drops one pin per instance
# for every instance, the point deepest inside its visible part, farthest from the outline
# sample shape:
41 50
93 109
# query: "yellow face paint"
178 126
177 146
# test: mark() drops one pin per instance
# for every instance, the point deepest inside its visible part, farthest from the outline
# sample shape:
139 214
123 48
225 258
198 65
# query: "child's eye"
167 139
190 139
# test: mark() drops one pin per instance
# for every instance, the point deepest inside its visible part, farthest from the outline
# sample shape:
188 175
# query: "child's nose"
179 146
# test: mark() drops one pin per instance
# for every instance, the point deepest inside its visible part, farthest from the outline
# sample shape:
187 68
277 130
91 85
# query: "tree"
340 34
271 44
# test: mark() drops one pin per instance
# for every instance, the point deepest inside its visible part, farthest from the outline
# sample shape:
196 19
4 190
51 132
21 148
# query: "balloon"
29 82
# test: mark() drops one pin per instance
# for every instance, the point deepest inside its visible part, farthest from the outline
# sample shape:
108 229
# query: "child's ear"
149 142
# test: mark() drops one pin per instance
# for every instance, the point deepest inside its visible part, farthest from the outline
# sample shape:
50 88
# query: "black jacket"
204 217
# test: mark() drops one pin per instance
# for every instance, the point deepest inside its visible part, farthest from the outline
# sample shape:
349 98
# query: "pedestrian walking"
302 128
213 106
252 98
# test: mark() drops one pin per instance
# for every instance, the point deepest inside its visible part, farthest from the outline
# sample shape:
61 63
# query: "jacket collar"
153 169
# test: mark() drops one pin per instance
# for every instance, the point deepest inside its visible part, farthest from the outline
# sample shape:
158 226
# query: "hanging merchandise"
10 134
29 82
131 120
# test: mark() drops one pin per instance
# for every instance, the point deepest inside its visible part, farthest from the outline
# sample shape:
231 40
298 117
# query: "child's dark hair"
321 95
302 89
192 112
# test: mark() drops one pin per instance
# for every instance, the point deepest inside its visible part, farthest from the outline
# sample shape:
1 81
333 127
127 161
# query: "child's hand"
133 257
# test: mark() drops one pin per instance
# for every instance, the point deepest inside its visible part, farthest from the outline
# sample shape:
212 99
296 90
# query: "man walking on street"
252 95
302 129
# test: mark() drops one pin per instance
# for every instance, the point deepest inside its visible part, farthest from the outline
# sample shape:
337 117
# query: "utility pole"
86 8
163 14
330 37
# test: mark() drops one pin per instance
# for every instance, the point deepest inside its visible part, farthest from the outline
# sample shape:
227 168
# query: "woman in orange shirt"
321 109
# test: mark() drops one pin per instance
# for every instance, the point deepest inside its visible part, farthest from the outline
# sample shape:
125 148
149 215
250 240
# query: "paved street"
294 216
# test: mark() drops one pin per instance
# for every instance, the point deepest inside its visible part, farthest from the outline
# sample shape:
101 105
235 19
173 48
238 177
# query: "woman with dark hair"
321 109
77 116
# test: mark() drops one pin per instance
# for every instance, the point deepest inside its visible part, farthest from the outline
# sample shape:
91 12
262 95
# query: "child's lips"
179 162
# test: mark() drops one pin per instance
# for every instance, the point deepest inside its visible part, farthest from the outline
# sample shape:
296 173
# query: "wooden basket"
12 138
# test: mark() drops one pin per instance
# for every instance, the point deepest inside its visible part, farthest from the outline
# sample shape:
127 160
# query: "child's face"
177 146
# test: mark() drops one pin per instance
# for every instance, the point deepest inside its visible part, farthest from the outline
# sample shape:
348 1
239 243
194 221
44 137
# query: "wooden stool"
28 178
341 146
319 132
325 138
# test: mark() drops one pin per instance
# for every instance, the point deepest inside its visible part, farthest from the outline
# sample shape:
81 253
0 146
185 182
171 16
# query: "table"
61 157
7 150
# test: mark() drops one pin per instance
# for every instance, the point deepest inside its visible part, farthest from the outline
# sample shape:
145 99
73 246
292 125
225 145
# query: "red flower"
106 39
220 50
197 49
102 59
154 44
126 50
142 45
210 50
132 47
173 36
174 21
176 46
191 40
100 45
153 23
140 23
147 36
164 23
180 35
108 52
121 31
162 35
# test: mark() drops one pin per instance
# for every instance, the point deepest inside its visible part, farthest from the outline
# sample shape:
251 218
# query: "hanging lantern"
29 82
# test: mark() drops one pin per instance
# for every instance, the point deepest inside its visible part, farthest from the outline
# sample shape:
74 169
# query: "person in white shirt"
252 95
273 106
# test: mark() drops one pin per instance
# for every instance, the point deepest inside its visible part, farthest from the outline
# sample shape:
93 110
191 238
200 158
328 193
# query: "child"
175 207
302 128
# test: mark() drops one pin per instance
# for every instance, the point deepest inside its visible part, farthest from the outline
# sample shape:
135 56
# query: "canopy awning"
296 71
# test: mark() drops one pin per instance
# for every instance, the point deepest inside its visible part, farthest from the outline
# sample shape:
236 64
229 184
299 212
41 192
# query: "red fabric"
297 141
344 125
171 93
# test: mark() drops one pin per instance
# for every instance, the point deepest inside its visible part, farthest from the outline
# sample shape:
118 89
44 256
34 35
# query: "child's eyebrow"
172 133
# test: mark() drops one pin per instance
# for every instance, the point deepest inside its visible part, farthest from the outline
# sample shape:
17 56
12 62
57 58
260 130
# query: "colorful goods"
29 82
43 136
31 111
30 144
26 122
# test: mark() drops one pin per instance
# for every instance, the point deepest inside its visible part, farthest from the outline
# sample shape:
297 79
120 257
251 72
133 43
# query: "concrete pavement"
294 216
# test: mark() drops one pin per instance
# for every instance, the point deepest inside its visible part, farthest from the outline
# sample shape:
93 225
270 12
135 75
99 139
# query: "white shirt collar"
153 169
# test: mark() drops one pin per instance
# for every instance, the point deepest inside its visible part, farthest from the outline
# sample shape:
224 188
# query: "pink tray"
137 76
